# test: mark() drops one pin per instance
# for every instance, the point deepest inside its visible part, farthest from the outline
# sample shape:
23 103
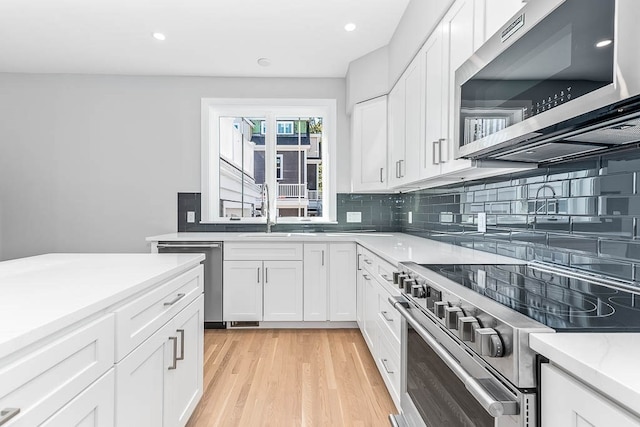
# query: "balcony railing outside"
314 194
295 191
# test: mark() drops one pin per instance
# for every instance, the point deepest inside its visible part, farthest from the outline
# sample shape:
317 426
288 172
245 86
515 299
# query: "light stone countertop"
44 294
607 362
394 247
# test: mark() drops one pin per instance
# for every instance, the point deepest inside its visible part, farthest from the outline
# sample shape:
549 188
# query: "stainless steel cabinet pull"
398 169
258 274
385 277
266 275
181 332
436 143
494 407
401 173
367 260
322 257
384 314
366 277
359 268
175 300
381 169
441 145
175 353
7 414
386 368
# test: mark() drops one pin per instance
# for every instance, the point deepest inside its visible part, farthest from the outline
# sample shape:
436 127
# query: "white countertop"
43 294
394 247
607 362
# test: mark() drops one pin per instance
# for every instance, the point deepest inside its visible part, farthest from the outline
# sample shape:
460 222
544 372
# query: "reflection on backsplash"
378 214
581 214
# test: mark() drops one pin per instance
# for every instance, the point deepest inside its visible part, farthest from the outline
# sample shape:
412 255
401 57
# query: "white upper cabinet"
369 145
497 14
406 125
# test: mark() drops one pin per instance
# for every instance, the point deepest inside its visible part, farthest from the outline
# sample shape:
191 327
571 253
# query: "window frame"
214 108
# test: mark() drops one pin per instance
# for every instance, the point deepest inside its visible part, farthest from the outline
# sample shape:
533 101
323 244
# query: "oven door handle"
495 408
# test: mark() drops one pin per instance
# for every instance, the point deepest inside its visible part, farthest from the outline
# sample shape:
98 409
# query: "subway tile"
624 161
520 207
552 223
573 243
573 206
619 269
516 221
529 237
622 184
621 227
512 193
485 196
554 256
629 205
577 169
511 250
499 208
620 249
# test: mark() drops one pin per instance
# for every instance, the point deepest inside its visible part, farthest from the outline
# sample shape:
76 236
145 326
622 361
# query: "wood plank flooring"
290 377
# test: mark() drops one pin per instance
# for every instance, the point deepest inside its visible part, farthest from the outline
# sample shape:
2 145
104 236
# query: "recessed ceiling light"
264 62
603 43
159 36
350 27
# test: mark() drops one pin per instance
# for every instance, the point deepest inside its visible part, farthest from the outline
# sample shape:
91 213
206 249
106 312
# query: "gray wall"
94 163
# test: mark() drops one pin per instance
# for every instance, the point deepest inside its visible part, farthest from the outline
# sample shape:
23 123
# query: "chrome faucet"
267 208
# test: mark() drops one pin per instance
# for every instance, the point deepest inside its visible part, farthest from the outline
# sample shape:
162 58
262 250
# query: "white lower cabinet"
159 383
567 402
282 291
316 260
94 407
342 282
242 290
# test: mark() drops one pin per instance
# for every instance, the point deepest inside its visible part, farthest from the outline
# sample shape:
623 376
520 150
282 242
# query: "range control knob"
488 342
467 328
407 285
417 291
401 278
451 315
438 308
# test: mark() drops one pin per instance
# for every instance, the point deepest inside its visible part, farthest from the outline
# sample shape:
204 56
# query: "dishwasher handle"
188 245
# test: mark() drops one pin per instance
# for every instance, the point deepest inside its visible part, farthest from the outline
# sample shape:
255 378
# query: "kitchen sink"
358 234
274 234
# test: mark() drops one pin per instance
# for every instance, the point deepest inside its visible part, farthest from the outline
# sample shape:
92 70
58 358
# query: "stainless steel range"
465 344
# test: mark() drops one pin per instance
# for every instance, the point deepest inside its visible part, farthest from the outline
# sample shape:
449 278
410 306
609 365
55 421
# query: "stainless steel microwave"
561 79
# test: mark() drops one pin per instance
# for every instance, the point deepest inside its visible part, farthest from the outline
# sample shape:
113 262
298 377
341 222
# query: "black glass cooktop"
562 302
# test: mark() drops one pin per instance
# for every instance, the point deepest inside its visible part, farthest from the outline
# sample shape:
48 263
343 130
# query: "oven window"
566 55
440 397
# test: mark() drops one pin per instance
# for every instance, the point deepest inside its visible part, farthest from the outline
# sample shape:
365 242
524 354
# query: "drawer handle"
175 353
366 277
368 261
385 277
7 414
181 332
175 300
384 314
386 368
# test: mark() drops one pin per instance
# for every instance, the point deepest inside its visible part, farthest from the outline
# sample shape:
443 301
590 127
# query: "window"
279 160
287 146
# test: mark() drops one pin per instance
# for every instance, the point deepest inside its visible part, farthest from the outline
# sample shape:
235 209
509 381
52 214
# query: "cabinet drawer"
366 260
388 317
263 251
45 380
388 360
94 407
384 270
138 320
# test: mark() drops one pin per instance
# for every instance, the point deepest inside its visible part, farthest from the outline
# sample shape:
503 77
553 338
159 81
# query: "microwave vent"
550 150
618 134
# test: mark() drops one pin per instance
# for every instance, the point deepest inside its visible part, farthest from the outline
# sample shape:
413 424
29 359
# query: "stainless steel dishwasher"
212 276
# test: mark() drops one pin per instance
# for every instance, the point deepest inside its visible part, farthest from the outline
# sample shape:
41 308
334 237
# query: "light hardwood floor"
290 377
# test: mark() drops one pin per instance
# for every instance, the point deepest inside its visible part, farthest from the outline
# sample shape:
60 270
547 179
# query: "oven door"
443 384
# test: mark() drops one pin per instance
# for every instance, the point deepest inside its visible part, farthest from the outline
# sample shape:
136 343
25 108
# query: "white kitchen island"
100 339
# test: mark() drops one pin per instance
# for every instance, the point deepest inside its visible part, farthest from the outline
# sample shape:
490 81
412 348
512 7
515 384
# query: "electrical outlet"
354 216
191 217
410 218
482 222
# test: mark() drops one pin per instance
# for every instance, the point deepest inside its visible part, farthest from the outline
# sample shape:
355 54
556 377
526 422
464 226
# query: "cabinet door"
184 384
396 132
495 14
370 312
436 102
283 288
342 282
316 259
566 402
94 407
242 290
140 381
359 296
458 30
414 120
369 145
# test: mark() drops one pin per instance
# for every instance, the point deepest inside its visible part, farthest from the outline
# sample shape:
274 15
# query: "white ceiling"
303 38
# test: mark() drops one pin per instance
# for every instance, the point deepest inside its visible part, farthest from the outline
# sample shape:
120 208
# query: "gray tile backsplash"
581 214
